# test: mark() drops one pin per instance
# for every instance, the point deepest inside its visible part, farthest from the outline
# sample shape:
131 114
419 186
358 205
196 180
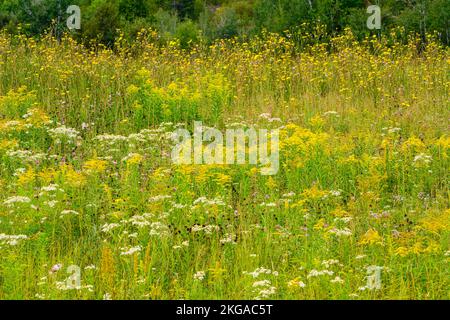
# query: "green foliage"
188 33
184 8
35 16
222 18
135 9
225 23
166 22
282 14
102 21
439 13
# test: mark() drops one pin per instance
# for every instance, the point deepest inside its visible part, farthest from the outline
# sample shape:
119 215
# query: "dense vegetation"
87 179
358 209
194 20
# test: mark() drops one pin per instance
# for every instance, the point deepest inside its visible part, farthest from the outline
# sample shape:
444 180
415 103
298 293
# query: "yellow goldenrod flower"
95 166
371 237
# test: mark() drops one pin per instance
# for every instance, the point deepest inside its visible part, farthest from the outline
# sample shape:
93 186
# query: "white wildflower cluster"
159 229
331 113
16 199
145 139
283 232
164 127
85 126
31 112
208 229
51 203
145 136
159 198
206 201
268 204
141 221
373 268
268 117
288 195
63 133
184 244
107 227
340 232
337 279
391 130
177 206
133 235
422 159
199 275
266 293
261 283
317 273
259 271
19 171
328 263
229 238
11 240
26 155
68 213
110 141
237 125
50 188
343 219
63 286
264 289
140 280
136 138
130 251
335 193
12 124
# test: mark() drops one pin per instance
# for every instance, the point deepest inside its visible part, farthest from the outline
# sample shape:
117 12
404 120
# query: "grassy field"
87 180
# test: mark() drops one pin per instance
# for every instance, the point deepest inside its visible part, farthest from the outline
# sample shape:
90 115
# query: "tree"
281 15
102 21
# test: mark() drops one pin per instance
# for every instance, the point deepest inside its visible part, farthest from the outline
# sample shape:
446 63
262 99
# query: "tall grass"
87 180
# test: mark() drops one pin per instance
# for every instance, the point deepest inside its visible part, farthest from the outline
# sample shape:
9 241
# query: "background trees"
191 20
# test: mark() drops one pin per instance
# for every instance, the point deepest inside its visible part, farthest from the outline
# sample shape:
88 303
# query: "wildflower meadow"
93 205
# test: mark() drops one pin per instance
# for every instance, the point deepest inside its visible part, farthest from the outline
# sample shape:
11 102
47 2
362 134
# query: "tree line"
194 20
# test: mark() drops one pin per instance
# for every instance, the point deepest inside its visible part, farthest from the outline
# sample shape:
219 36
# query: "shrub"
102 21
188 33
225 23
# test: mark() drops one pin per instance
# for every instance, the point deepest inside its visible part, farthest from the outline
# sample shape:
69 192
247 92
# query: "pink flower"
56 268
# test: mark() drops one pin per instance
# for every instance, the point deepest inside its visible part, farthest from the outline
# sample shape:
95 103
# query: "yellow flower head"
135 158
371 237
95 166
132 90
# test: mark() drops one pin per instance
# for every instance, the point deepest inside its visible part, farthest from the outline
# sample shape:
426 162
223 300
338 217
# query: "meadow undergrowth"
86 177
